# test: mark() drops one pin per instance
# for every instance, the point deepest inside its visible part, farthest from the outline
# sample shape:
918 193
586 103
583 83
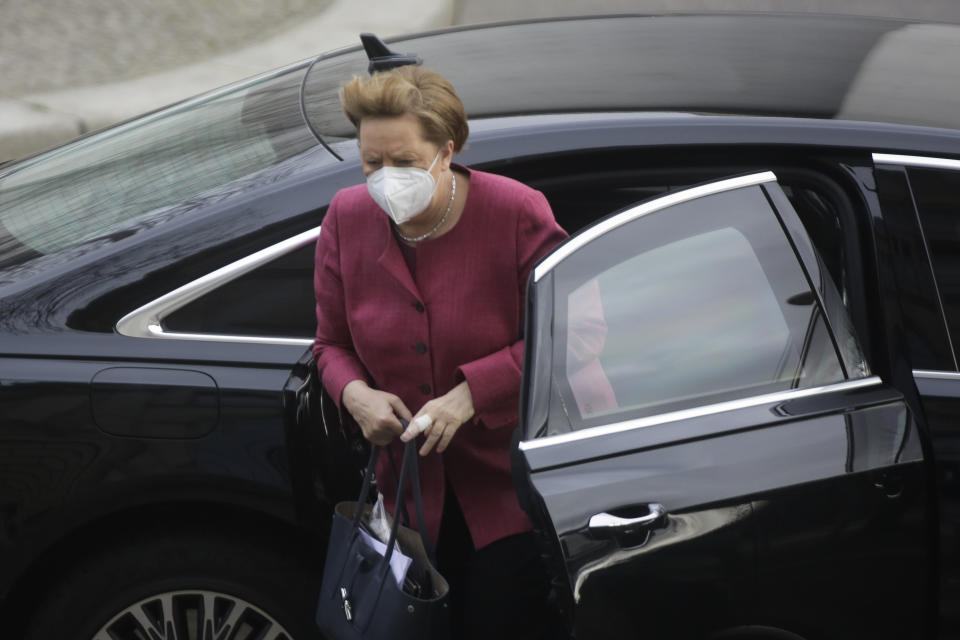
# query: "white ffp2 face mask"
403 192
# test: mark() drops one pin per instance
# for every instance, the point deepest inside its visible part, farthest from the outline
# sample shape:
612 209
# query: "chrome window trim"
916 161
694 412
936 375
591 234
147 321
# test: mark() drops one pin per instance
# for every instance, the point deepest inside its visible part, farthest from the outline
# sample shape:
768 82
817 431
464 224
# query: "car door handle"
609 523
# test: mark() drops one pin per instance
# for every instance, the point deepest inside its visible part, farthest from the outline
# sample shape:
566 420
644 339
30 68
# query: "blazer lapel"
392 260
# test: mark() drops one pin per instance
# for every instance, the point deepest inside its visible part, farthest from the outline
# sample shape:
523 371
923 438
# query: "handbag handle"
365 487
409 462
408 468
401 505
417 501
418 505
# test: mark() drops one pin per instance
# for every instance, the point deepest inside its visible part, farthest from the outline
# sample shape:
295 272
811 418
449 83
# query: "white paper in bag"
399 563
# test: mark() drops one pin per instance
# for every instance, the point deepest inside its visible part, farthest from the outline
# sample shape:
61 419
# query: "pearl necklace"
453 192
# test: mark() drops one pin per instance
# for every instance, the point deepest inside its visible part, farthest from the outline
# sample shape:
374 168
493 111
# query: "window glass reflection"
110 181
274 300
937 196
698 303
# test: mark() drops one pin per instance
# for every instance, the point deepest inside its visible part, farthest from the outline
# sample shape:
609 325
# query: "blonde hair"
409 89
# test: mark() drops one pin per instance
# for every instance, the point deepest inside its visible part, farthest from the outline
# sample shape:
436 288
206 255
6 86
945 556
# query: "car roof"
834 67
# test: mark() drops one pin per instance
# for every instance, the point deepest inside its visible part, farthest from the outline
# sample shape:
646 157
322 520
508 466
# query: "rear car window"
248 305
110 181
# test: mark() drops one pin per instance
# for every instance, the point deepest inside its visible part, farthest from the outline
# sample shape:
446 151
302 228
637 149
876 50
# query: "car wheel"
183 587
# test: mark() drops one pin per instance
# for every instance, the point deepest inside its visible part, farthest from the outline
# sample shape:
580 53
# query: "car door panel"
940 392
737 461
709 486
326 449
709 501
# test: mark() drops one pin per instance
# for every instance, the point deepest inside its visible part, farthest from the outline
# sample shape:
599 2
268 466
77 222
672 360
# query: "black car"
765 209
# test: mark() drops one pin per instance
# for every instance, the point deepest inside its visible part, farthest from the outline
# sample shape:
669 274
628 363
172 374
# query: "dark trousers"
499 591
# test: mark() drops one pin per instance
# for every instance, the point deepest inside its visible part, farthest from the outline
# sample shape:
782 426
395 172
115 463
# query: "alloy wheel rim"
192 615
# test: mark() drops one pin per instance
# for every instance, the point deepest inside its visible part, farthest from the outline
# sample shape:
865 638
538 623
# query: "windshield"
114 179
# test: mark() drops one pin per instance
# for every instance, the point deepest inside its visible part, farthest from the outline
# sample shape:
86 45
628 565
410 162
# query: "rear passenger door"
703 445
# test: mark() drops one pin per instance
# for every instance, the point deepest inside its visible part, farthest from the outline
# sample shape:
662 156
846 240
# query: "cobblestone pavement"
56 44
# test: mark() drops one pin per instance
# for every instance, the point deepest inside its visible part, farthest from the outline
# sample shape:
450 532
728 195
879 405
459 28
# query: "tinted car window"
274 300
698 303
936 193
585 186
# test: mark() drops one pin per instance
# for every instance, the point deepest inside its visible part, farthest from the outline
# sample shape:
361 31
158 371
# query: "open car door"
702 443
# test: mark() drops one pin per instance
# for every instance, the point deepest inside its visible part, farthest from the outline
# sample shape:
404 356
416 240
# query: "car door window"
697 303
936 193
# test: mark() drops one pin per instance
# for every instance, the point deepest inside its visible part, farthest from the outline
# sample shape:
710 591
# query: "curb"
34 122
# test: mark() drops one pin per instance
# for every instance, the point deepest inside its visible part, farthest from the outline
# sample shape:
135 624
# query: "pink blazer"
462 318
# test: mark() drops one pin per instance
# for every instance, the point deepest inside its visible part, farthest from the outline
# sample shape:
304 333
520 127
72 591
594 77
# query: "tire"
199 587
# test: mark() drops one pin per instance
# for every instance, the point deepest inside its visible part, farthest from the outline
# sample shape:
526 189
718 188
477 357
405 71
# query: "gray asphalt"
57 44
70 66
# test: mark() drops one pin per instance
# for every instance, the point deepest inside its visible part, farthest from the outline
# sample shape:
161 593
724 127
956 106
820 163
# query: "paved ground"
56 44
48 96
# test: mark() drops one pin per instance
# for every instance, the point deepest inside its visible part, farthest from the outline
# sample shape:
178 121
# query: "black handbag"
359 596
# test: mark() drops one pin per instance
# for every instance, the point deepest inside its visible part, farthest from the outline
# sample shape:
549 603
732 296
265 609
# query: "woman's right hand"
377 412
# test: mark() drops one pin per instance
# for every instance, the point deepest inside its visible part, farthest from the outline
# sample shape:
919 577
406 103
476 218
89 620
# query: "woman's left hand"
447 414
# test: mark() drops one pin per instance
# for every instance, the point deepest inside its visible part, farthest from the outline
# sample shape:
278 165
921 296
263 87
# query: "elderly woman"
420 282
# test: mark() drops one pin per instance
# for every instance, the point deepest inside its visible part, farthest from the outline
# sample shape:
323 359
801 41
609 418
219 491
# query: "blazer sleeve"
333 350
494 380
